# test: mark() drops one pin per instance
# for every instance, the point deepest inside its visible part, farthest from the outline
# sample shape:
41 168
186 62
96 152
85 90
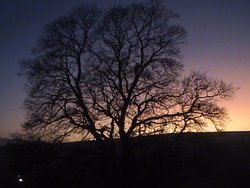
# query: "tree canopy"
117 73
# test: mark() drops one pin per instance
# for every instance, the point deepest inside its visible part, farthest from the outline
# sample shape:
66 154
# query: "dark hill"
191 160
4 141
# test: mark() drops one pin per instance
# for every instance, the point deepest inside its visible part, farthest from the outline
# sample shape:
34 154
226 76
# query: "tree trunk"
124 175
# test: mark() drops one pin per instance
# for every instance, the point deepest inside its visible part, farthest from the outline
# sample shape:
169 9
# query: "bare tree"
55 104
117 74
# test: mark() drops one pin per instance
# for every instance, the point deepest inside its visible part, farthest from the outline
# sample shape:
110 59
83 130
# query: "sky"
218 43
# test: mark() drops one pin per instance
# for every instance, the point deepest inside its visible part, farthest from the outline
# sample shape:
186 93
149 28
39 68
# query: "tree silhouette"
117 74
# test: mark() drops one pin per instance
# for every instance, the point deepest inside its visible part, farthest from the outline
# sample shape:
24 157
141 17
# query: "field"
207 160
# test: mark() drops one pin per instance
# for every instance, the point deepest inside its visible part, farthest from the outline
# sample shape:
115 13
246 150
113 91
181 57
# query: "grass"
192 160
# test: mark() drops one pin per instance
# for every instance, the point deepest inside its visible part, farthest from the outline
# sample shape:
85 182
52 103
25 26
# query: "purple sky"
218 43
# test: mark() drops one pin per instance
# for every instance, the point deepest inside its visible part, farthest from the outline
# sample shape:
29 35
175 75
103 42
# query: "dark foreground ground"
197 160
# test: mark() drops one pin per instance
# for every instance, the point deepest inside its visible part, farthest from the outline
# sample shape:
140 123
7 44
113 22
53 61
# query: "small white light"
20 180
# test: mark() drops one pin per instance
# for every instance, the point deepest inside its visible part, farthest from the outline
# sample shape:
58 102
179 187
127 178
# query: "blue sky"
218 43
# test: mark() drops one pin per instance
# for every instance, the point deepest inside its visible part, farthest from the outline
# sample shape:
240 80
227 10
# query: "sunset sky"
218 43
